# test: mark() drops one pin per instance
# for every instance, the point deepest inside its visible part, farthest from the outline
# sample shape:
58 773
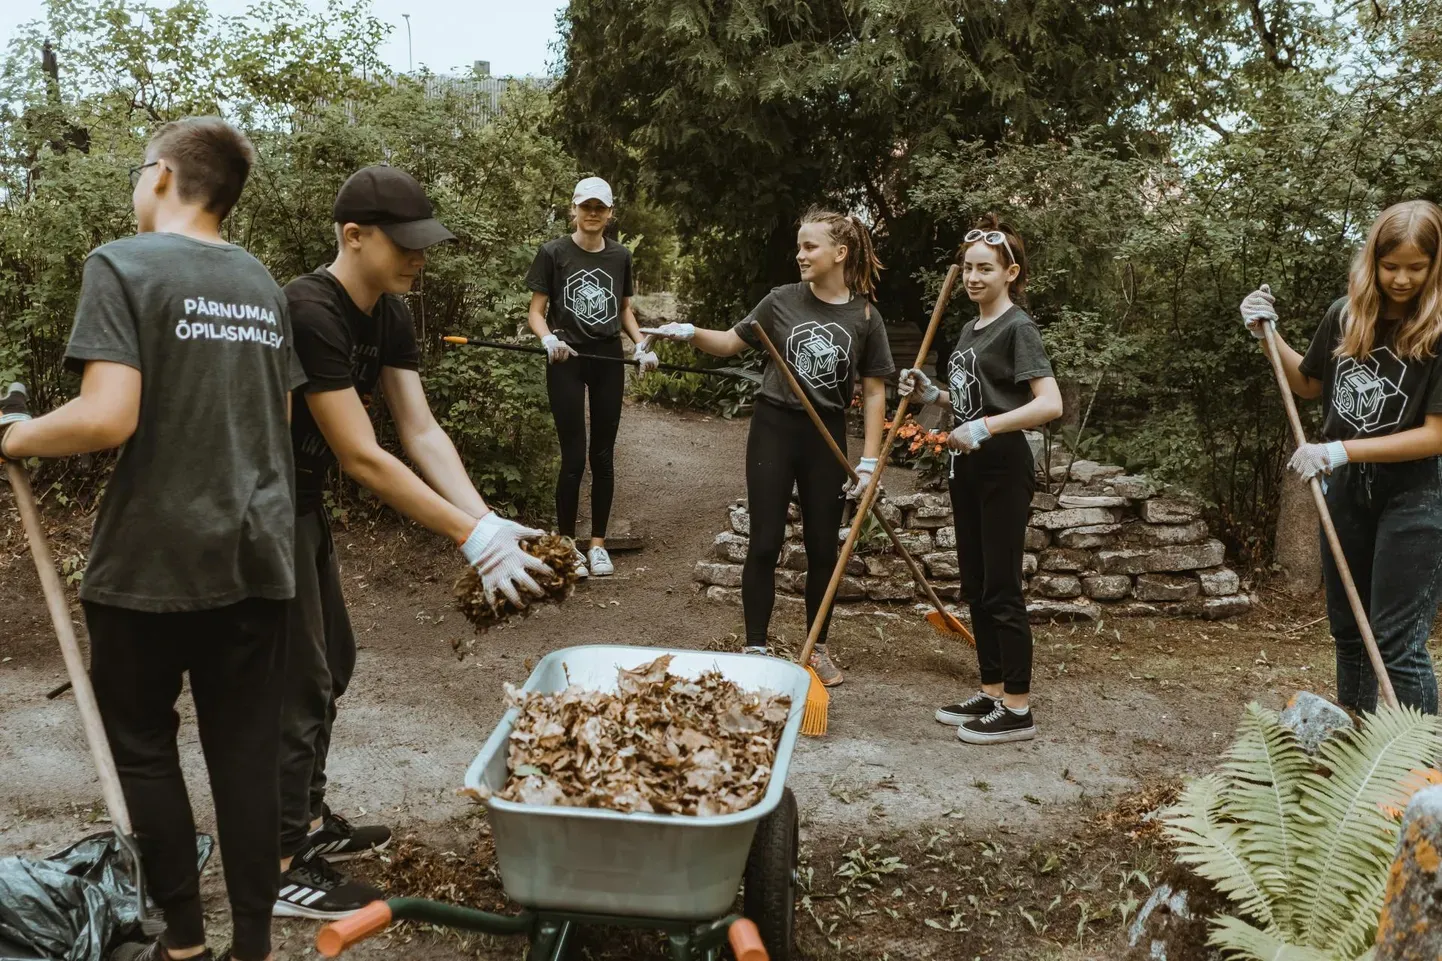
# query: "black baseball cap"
391 199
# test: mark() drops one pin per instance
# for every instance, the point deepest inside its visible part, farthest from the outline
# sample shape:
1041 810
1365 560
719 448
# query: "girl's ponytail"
862 268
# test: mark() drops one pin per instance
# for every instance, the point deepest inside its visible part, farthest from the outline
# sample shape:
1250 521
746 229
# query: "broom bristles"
818 704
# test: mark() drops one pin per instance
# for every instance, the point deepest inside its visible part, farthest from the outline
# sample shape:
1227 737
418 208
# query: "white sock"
1019 712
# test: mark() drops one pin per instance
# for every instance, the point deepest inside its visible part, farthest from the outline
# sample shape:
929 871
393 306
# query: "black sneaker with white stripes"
1002 724
979 705
338 840
314 889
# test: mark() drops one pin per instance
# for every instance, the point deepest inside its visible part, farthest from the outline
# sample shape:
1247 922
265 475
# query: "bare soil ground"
914 845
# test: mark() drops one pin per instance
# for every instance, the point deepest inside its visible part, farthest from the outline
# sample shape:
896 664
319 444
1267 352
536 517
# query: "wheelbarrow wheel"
770 896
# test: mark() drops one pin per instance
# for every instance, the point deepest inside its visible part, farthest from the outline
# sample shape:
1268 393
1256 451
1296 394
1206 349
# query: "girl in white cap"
581 287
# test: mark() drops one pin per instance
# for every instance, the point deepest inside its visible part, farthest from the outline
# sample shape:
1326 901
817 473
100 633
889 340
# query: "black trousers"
783 449
233 655
991 492
320 654
566 385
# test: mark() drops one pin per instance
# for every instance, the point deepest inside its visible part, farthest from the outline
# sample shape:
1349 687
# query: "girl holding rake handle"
1373 362
1000 384
829 332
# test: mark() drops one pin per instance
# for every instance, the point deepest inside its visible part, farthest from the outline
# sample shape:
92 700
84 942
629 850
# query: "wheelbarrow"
569 868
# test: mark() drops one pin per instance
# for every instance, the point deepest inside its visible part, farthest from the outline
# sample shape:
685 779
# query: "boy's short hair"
210 158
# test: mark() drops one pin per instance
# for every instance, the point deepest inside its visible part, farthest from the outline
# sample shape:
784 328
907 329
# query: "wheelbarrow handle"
335 937
746 941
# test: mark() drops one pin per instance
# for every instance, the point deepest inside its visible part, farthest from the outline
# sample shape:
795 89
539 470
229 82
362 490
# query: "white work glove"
1310 459
864 469
912 379
671 331
557 348
969 436
646 358
494 550
1258 308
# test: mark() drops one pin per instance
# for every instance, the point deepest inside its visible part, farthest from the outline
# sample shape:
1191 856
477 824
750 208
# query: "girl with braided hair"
830 333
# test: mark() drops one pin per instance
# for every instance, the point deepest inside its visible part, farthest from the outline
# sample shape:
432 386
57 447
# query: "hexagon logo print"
1368 393
965 385
819 353
590 298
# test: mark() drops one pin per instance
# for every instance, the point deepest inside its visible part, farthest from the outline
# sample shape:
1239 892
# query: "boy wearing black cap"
183 344
353 334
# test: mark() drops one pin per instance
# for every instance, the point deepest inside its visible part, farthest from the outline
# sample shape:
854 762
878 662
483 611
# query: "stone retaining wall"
1110 544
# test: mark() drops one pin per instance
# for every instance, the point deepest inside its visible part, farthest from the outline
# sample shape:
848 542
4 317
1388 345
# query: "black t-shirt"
339 346
585 289
991 369
1382 394
826 345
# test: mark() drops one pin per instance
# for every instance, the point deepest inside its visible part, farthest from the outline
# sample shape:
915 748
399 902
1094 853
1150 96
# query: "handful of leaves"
558 553
664 744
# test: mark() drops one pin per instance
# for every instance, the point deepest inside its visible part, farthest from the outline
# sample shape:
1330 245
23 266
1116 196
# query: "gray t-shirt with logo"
992 368
200 511
827 346
584 289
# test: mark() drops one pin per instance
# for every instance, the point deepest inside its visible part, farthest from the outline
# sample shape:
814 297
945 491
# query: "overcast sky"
514 35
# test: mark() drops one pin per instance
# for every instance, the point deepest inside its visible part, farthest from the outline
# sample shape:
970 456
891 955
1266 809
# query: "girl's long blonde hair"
862 268
1418 222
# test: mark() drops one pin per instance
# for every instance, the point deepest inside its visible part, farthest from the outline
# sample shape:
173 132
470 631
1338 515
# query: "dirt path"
1119 705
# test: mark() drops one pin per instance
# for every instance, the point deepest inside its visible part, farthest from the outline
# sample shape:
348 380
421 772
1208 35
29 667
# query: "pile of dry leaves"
560 556
664 744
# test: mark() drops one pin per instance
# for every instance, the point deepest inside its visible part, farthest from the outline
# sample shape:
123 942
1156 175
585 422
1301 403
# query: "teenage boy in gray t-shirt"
183 343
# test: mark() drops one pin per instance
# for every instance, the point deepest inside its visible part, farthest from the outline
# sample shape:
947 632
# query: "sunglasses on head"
992 238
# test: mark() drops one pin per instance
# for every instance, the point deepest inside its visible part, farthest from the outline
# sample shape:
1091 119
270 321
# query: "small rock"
1057 586
740 520
1220 582
888 512
1134 609
1042 611
718 575
941 564
1069 501
723 595
1089 538
792 582
888 589
1107 587
1133 487
793 557
1166 587
1314 719
730 547
1165 535
886 565
1028 565
1170 510
905 501
1036 539
1065 559
945 538
930 517
1221 608
1080 517
1042 501
1407 929
1187 557
793 512
852 589
921 542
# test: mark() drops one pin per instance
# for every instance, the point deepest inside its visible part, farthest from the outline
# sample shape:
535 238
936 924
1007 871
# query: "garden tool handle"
840 455
746 941
1379 668
370 920
869 495
70 650
631 362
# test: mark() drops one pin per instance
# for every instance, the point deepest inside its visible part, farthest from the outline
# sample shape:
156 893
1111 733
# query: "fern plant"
1302 845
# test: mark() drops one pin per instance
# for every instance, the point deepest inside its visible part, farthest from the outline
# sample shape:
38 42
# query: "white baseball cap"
593 188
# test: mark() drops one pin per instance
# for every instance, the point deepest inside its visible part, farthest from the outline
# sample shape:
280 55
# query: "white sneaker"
600 562
581 571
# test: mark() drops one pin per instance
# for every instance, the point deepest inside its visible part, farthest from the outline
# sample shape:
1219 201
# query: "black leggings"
782 449
566 385
991 500
234 657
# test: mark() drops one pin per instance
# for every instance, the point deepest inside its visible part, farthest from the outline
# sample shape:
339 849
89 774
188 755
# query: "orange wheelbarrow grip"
746 941
339 935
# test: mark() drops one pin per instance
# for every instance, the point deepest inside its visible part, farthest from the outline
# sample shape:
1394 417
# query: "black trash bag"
76 906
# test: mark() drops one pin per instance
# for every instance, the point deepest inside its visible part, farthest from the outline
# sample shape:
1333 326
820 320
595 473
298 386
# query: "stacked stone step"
1109 544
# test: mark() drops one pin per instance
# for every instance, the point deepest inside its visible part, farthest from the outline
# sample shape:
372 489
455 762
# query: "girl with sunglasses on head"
1373 362
1000 384
830 333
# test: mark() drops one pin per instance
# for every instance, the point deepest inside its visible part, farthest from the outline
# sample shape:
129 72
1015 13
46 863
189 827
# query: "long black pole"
527 349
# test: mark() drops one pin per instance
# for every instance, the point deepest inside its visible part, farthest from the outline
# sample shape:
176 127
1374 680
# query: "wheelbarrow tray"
662 866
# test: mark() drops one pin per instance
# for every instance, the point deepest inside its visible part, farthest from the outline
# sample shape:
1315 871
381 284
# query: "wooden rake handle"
916 572
869 495
1384 681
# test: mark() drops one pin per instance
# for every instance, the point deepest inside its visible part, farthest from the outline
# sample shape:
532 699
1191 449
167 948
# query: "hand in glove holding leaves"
969 436
1311 459
557 348
912 379
1258 308
671 331
864 469
13 410
646 358
494 550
